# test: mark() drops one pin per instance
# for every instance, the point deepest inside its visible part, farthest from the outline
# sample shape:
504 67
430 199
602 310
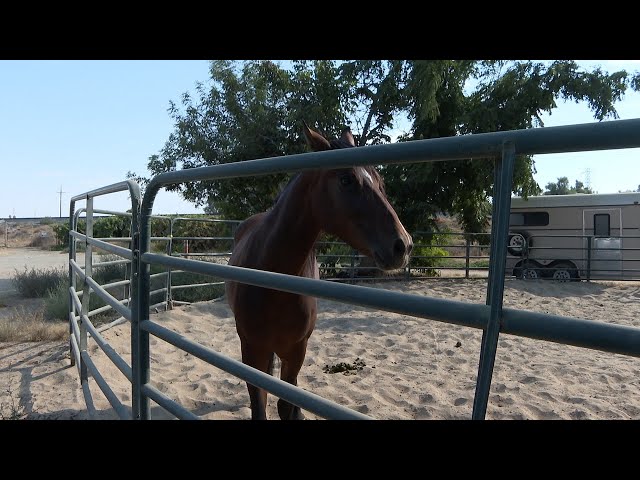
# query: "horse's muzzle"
395 257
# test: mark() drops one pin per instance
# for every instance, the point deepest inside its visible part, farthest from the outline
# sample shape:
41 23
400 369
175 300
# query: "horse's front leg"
291 363
262 360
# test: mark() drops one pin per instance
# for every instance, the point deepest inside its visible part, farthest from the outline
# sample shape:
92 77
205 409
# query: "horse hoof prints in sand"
347 202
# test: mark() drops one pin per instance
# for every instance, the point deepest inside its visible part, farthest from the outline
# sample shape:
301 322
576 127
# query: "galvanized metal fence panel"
492 318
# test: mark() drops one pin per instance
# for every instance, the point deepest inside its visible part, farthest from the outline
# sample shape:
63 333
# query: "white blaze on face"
366 175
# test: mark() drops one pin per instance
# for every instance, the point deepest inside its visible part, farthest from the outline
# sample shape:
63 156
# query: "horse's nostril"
399 247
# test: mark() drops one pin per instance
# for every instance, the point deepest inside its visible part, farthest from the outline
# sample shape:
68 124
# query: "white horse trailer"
572 237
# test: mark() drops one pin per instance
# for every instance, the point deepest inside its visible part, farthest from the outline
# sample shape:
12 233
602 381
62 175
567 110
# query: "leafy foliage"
254 109
561 187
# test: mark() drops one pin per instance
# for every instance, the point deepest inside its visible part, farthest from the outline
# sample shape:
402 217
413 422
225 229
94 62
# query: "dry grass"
10 408
23 325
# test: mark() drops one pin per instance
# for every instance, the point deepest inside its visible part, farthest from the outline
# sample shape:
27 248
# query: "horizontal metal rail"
127 239
75 352
159 290
202 238
574 331
114 323
119 283
199 254
130 185
209 220
194 285
467 314
104 308
111 262
108 350
610 135
104 295
120 251
284 390
169 405
106 389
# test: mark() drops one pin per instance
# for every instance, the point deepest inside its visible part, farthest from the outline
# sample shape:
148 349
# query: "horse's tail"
271 362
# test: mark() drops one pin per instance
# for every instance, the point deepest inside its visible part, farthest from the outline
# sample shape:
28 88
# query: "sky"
77 125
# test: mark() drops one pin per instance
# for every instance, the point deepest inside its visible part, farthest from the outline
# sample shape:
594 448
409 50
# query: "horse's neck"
291 230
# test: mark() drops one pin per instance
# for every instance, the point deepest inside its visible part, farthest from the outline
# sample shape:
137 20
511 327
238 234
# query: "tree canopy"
255 109
561 187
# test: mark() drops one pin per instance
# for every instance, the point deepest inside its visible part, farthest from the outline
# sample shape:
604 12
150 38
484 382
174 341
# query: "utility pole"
61 192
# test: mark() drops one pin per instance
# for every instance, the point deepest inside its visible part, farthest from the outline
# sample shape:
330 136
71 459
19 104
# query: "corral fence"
559 258
491 317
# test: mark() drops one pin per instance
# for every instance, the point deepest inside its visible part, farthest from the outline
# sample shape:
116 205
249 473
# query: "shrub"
56 306
108 273
61 231
36 283
42 240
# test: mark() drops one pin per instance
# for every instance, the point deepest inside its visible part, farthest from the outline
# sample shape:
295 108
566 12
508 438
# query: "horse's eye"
346 179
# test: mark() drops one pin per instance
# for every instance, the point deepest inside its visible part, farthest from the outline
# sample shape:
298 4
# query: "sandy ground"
413 368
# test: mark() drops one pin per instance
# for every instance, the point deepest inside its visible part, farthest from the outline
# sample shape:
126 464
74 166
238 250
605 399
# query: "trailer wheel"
528 270
516 245
565 272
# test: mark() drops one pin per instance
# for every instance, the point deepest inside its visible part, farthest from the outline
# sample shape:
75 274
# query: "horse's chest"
268 315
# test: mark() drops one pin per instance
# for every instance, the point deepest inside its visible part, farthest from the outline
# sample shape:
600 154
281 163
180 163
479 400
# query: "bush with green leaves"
428 252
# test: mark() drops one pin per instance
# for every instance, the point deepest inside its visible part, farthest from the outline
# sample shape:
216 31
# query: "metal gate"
491 317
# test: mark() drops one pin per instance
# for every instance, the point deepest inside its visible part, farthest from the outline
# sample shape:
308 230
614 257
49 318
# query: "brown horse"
348 202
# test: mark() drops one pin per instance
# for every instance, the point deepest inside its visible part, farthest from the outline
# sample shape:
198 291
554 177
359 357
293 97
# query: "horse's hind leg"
263 361
290 366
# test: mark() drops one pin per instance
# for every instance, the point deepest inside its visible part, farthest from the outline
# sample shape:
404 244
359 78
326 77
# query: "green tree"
561 187
254 109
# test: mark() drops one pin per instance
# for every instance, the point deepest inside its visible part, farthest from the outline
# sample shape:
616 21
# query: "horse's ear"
348 137
316 141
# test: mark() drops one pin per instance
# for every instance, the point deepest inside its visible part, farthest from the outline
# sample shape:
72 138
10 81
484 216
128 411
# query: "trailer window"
601 225
529 219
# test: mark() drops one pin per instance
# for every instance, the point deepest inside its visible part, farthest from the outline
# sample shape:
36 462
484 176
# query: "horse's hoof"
286 411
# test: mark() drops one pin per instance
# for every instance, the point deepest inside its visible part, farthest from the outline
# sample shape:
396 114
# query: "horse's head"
352 204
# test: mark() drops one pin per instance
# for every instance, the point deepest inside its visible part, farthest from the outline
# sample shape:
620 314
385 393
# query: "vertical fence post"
467 254
589 238
503 176
168 298
72 277
353 266
139 337
128 270
86 290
